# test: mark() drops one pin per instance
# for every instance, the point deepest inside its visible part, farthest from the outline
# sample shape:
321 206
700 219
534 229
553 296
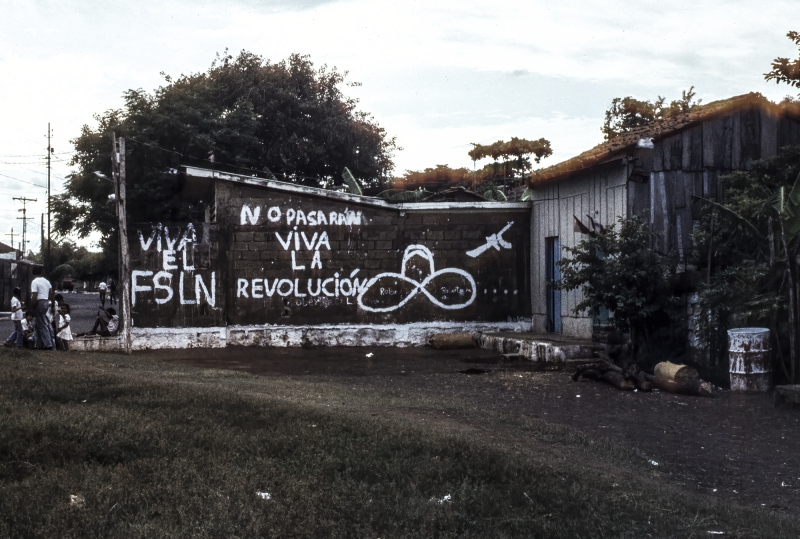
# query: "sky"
438 75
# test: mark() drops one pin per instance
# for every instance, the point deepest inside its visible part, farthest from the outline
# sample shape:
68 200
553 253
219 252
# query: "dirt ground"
737 446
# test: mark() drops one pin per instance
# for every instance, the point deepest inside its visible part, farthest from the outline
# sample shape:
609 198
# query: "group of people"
111 287
35 326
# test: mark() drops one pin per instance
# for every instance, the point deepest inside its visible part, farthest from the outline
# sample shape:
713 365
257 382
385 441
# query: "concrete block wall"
300 260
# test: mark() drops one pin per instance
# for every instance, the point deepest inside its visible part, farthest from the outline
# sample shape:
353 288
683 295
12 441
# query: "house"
8 252
13 274
280 264
651 171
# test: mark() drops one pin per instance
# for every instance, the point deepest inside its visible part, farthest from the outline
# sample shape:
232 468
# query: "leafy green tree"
751 243
245 114
784 69
522 149
616 271
627 113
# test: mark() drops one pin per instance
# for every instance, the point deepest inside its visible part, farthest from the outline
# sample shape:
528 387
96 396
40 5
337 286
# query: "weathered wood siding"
600 193
691 162
685 163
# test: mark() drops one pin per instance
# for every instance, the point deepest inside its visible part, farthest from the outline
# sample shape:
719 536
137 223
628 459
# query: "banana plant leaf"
526 194
494 195
351 182
789 207
736 218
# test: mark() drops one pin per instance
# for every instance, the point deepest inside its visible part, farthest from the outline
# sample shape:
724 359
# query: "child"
28 329
17 337
64 331
107 329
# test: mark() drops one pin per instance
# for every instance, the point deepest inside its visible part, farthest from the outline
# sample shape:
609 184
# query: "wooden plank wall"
691 162
600 193
685 163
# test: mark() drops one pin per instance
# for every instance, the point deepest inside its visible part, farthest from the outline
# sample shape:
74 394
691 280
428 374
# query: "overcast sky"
438 75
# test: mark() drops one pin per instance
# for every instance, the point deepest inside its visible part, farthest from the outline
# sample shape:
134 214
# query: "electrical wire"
23 181
215 162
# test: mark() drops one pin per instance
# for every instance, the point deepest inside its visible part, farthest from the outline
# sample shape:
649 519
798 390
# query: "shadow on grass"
160 451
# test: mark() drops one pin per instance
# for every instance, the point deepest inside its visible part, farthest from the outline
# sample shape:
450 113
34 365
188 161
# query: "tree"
244 114
615 270
785 70
520 148
754 238
627 113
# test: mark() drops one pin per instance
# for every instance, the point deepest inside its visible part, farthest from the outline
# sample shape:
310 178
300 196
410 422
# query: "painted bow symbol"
392 279
495 240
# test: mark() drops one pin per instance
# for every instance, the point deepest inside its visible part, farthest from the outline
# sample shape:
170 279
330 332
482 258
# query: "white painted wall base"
416 334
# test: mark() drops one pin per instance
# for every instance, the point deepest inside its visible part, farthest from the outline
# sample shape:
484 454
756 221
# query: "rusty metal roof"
659 129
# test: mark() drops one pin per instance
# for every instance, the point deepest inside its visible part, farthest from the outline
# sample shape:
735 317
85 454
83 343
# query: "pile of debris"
667 376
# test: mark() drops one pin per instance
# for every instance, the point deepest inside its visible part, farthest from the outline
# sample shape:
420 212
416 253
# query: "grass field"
157 450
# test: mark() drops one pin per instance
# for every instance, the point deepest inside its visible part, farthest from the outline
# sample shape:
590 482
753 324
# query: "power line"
23 181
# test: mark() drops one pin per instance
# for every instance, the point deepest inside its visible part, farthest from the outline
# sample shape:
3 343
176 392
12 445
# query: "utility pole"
25 220
12 236
118 171
49 152
41 233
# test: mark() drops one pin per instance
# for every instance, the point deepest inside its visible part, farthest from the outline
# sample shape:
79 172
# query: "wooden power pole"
118 170
49 151
25 220
12 237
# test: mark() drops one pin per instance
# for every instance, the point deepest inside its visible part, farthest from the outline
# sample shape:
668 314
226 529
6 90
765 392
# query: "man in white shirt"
41 294
16 317
103 293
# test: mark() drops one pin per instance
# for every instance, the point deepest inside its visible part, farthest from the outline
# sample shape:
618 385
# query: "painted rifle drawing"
495 240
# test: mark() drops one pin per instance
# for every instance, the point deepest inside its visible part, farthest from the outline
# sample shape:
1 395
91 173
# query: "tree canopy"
245 114
626 113
520 148
784 69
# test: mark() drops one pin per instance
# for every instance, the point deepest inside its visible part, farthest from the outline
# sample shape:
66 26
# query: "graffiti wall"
287 258
176 277
297 259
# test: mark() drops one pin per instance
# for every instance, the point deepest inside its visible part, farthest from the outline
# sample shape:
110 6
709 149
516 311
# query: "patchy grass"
156 450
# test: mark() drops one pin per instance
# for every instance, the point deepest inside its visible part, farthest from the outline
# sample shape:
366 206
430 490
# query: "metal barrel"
750 359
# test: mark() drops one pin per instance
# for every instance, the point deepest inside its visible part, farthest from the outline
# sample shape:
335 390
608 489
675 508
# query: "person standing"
41 294
103 293
16 316
112 291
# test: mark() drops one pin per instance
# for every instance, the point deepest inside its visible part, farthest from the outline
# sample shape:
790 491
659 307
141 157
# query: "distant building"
9 253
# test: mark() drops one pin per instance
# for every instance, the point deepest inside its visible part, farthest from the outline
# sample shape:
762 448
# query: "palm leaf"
735 217
788 206
351 182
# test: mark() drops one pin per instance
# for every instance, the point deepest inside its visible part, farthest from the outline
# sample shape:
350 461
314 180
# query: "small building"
277 264
14 273
651 171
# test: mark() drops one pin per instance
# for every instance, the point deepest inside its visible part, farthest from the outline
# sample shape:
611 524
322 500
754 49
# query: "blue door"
552 275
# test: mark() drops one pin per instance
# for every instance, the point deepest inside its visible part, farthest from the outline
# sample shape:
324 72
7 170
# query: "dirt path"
737 446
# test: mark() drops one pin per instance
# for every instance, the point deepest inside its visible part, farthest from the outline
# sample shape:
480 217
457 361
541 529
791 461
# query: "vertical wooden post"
118 161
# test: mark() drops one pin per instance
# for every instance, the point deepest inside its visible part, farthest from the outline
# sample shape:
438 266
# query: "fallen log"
618 380
680 379
674 372
599 366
